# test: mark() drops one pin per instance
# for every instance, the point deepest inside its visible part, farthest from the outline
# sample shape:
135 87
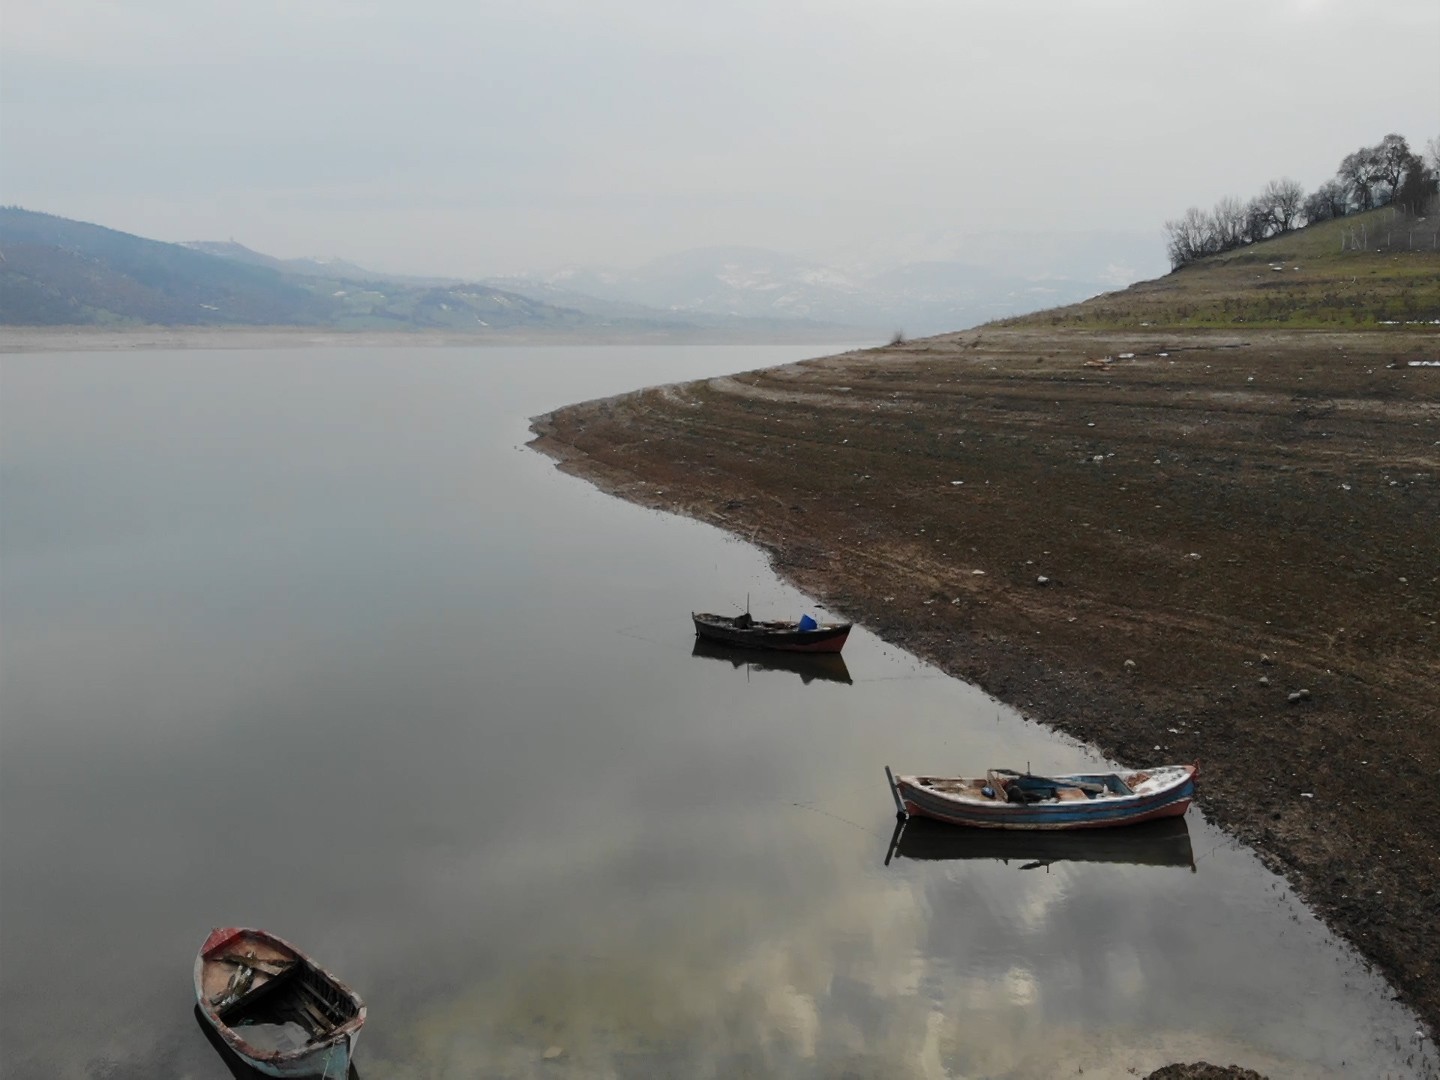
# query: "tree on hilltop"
1370 177
1326 202
1393 160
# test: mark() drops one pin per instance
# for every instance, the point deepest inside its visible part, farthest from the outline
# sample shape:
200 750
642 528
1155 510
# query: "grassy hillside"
1376 269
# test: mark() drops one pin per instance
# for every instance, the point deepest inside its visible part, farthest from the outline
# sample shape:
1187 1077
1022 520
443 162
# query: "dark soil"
1214 546
1203 1070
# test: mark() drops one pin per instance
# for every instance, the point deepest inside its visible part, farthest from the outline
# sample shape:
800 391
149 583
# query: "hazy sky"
471 137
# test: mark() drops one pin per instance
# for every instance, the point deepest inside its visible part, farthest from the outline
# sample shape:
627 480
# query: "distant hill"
921 297
58 272
61 272
311 267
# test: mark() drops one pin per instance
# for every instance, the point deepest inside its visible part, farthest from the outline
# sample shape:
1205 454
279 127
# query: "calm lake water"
308 640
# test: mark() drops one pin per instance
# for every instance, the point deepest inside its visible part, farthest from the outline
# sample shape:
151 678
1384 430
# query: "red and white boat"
1004 799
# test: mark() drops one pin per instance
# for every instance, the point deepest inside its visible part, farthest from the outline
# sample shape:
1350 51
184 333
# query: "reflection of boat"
274 1007
1164 842
806 635
827 666
1003 799
238 1069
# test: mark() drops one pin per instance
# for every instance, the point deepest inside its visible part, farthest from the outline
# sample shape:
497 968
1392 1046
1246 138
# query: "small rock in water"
552 1052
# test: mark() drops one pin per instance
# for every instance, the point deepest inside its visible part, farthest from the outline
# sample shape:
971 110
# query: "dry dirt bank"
1154 554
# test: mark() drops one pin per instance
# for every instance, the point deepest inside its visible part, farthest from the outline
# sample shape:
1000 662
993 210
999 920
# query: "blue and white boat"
276 1009
1005 799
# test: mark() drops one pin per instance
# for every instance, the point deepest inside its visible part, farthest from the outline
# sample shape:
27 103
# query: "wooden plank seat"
257 996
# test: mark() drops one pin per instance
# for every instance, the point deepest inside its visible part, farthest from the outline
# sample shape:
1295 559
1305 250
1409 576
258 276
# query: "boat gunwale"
261 1058
787 637
1171 800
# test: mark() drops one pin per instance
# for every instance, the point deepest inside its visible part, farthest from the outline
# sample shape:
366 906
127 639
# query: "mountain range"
55 271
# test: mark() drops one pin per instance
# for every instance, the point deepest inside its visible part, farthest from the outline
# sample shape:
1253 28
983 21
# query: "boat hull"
826 638
327 1055
1171 800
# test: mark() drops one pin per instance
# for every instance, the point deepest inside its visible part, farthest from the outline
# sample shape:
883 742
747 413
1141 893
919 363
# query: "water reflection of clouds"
732 964
843 974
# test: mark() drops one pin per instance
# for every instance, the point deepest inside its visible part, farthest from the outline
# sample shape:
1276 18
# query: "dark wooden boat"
1004 799
1163 842
275 1008
828 667
805 636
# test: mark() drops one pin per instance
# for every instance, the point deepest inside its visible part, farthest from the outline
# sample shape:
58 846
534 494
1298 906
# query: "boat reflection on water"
239 1068
829 667
1165 842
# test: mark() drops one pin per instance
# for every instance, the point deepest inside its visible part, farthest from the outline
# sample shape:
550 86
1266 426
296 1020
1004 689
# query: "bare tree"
1328 201
1229 223
1358 172
1392 159
1257 220
1286 200
1417 188
1191 237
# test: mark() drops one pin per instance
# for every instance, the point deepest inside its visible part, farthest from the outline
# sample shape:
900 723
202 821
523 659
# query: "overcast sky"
473 137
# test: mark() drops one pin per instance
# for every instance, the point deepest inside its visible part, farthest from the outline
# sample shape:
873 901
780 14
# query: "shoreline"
48 339
1191 581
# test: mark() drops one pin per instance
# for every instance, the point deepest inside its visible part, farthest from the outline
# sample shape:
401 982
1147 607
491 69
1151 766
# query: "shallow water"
308 640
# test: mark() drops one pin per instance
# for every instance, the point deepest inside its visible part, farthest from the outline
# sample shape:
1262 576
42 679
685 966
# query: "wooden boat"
232 1061
828 667
806 636
1162 842
1004 799
279 1011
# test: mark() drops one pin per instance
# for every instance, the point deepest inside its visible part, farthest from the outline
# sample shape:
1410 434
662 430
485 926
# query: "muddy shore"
1196 545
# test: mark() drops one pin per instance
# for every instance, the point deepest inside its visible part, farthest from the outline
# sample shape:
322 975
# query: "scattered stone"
1303 694
1264 680
1042 580
1129 665
552 1052
1264 659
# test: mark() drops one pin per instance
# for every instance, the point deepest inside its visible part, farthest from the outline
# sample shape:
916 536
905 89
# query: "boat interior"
252 983
1002 785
